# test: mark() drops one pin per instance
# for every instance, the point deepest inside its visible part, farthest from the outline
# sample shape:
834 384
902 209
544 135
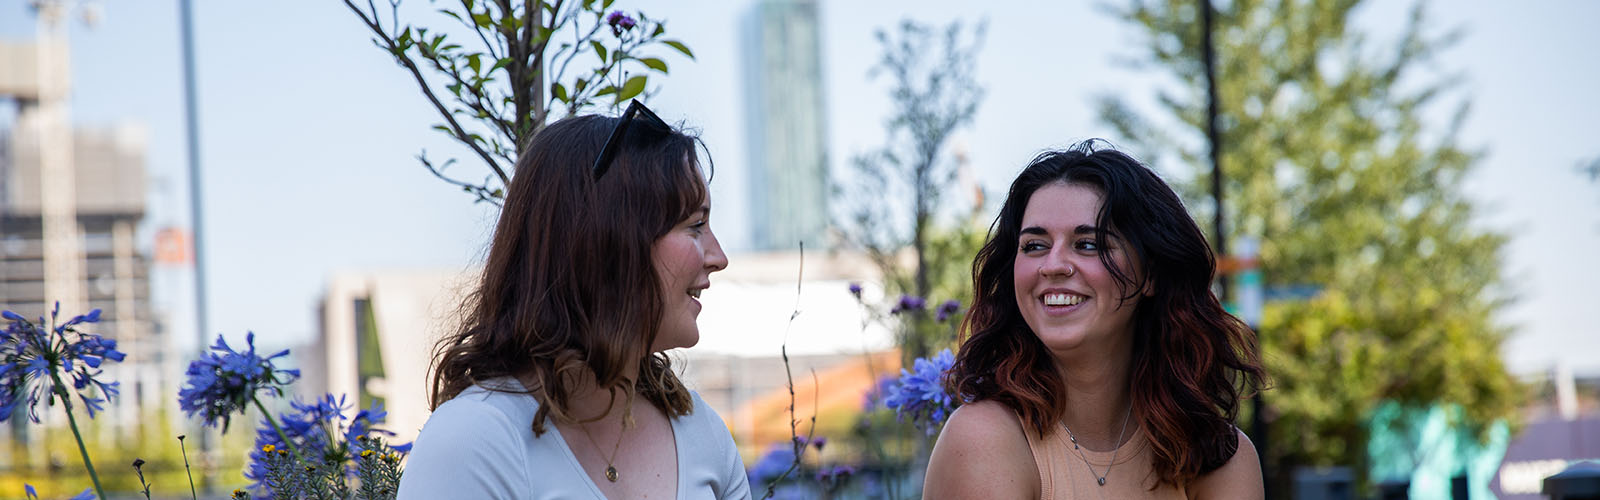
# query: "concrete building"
71 201
379 329
787 125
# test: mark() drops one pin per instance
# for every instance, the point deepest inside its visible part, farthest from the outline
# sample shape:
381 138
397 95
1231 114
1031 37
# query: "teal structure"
1429 446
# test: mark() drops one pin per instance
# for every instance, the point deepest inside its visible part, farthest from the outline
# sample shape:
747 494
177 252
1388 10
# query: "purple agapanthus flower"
835 474
909 303
620 22
771 465
855 289
947 309
919 394
225 381
325 432
32 356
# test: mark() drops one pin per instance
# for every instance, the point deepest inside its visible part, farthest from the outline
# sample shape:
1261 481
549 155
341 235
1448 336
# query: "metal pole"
192 129
1258 425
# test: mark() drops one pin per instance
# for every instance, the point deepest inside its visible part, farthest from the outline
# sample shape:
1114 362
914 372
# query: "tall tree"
934 94
1327 159
497 87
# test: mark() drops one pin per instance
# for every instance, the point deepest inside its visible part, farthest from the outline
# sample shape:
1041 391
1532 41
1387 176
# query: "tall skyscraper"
786 124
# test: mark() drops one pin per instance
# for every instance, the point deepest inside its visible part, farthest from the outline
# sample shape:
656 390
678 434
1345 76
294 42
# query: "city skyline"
345 146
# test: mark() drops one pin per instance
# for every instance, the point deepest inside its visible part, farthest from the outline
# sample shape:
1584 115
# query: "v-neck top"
480 444
1064 474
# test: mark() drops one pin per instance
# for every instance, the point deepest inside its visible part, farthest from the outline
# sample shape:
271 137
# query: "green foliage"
496 89
1326 159
934 94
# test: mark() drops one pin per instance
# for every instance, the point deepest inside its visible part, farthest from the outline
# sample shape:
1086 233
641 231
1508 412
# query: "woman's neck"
1098 399
587 401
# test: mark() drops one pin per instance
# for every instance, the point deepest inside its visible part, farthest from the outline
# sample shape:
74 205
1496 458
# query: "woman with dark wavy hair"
1097 363
556 385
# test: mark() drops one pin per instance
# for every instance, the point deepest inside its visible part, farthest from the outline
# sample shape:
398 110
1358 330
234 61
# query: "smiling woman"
1096 362
598 260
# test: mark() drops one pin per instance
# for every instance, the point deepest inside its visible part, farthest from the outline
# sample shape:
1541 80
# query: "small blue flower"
909 303
771 465
855 289
947 309
32 355
225 381
920 395
620 22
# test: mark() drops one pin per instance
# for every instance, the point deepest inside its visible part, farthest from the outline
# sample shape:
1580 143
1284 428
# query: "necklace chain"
611 468
1117 446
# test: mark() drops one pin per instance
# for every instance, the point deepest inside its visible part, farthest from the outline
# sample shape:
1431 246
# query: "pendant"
611 474
1100 479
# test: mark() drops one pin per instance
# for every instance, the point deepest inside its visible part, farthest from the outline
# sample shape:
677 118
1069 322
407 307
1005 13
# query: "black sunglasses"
614 141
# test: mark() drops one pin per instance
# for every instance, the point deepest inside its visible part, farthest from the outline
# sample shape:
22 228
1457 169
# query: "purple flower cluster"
325 433
855 289
620 22
947 309
919 393
225 381
32 356
909 303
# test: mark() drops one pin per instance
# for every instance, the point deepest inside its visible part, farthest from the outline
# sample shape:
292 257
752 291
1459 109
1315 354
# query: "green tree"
1326 158
511 76
934 94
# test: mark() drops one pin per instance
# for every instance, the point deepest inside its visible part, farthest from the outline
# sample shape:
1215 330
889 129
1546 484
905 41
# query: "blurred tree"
934 94
496 94
1327 160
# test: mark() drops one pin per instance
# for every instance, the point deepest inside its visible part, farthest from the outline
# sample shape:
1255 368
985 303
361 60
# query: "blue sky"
309 135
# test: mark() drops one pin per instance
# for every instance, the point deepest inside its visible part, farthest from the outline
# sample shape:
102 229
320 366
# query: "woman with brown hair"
1097 363
556 385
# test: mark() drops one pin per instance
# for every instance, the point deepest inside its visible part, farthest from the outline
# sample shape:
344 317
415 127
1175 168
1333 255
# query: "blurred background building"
786 125
71 203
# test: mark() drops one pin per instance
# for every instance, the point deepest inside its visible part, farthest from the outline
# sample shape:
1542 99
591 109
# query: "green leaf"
474 62
633 87
483 21
503 62
442 128
451 13
655 64
680 46
661 28
582 84
610 89
606 4
559 91
598 49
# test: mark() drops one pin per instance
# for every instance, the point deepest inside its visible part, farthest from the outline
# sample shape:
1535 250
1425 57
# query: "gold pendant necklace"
611 468
1117 446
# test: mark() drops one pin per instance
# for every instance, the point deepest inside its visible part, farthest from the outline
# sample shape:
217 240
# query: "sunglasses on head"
614 141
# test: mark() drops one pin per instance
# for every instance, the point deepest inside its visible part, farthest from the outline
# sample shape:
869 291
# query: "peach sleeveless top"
1064 475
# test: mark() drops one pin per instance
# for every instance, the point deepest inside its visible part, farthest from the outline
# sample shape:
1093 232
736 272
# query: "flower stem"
274 423
66 404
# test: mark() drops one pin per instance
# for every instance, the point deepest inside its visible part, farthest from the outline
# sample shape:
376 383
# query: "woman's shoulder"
1239 477
988 425
983 452
494 400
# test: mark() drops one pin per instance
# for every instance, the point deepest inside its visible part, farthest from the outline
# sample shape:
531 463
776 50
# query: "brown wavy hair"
570 285
1192 362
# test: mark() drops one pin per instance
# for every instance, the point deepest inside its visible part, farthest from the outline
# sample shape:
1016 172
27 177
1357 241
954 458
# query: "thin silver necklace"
1100 478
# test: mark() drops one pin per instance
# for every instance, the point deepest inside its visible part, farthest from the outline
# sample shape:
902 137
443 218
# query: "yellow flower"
366 453
268 448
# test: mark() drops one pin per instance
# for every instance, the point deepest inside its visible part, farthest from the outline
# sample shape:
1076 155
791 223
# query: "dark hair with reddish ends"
1191 361
570 283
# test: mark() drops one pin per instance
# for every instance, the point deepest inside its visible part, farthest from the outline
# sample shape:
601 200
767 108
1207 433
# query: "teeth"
694 293
1062 299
